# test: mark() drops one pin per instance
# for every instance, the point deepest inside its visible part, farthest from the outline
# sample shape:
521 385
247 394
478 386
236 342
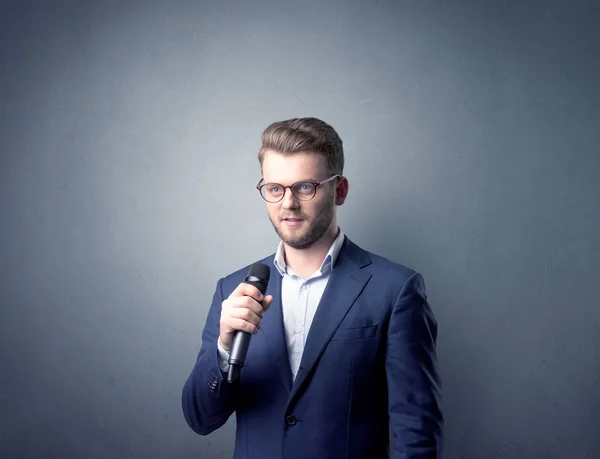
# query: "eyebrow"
301 180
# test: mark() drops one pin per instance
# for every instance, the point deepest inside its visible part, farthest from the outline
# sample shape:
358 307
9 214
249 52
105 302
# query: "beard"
317 228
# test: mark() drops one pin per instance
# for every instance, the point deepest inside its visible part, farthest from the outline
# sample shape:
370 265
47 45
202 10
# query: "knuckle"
240 302
240 324
246 301
253 305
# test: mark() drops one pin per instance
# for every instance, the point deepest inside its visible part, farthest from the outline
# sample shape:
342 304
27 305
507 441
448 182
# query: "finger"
247 302
245 289
235 324
266 303
247 315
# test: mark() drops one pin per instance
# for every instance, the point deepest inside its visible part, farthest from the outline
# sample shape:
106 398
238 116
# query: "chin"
294 240
299 244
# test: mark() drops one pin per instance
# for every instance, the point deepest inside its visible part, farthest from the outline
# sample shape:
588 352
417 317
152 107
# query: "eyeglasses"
303 191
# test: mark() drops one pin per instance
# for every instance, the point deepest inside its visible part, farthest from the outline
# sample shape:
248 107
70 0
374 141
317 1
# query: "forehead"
290 168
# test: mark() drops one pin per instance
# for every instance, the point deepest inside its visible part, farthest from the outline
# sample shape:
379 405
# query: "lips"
292 222
292 219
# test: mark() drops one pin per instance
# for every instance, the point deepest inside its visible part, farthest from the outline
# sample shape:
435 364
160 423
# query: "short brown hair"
305 135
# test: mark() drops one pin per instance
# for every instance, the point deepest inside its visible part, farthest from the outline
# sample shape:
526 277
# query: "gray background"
129 135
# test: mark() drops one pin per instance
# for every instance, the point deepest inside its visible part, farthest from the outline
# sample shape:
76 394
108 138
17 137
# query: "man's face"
298 223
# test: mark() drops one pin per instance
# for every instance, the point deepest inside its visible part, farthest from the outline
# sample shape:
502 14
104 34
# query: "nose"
289 200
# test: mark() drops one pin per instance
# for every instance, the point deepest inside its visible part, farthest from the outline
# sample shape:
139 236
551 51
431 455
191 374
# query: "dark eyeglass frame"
291 187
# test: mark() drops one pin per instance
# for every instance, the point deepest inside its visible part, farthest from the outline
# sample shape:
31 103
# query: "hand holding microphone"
241 314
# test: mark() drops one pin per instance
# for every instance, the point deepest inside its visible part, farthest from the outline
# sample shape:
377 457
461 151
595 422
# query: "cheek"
273 210
318 207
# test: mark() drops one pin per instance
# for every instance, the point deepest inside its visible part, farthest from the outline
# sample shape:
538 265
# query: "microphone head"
260 270
258 275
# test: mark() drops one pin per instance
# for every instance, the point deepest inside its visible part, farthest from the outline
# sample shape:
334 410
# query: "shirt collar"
328 261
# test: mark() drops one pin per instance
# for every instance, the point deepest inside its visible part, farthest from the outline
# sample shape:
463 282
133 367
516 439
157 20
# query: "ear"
341 191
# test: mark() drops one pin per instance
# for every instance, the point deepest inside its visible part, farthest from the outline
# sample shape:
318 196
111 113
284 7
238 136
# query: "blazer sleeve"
207 398
414 385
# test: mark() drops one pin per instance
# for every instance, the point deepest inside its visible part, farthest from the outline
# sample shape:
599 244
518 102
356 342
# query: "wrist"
222 347
223 356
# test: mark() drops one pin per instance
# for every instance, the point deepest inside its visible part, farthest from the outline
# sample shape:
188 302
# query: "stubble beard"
315 231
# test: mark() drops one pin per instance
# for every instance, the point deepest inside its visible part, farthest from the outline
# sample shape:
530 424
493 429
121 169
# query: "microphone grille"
260 270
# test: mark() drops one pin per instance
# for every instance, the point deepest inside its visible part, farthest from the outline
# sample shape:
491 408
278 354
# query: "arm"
414 385
207 398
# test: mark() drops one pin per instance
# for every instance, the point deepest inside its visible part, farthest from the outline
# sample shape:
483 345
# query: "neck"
305 262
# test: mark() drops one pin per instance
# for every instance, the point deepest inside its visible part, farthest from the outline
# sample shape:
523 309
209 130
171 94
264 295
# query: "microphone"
258 275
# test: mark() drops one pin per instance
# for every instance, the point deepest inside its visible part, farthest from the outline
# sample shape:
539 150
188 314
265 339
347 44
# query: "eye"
273 188
306 188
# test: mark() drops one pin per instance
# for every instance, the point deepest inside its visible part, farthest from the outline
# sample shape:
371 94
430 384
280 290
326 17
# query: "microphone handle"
239 347
241 339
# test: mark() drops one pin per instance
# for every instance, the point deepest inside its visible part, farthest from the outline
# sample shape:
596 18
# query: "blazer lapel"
345 284
273 332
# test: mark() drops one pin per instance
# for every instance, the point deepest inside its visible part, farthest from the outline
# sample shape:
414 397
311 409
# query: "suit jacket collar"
272 328
345 284
330 257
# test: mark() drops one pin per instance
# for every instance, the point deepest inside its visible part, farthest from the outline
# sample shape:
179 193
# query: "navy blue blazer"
369 364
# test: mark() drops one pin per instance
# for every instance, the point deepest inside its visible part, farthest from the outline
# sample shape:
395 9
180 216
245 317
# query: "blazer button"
290 420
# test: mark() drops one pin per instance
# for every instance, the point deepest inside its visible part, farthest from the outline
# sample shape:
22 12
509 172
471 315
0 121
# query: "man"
344 341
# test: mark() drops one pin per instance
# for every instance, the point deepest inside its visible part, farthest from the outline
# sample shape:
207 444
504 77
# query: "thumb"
267 302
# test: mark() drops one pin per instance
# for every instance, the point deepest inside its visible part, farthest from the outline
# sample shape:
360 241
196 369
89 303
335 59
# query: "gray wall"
128 162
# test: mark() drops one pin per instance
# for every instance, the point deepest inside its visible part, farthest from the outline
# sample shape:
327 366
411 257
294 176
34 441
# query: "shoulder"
386 273
375 263
383 265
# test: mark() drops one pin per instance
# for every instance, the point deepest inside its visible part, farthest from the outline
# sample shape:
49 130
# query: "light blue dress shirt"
299 301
